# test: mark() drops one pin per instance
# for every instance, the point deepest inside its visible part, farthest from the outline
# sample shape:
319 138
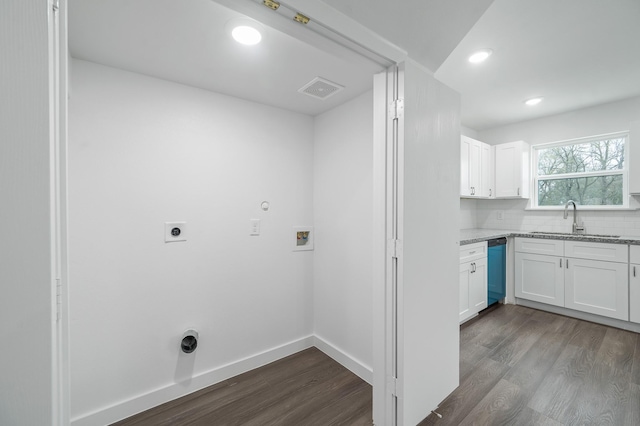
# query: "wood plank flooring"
307 388
520 366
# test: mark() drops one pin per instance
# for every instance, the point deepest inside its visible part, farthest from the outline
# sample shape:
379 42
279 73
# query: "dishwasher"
496 270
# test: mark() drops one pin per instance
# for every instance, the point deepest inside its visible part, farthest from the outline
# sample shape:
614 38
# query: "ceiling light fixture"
480 56
245 31
246 35
534 101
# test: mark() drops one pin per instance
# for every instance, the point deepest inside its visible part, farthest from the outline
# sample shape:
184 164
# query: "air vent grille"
320 88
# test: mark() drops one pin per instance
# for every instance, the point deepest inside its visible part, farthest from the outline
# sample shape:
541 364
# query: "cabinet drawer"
540 246
596 251
634 254
473 251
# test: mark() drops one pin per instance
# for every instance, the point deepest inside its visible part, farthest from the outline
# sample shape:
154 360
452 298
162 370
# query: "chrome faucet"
577 229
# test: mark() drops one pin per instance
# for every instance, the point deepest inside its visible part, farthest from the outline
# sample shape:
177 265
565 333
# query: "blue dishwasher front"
496 270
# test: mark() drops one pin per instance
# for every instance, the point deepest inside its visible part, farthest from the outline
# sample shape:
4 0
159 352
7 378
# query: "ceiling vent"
320 88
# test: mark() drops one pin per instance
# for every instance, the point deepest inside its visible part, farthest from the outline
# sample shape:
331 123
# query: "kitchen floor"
520 366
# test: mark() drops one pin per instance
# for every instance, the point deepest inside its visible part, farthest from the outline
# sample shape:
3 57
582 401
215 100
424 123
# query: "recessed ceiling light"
480 56
533 101
245 31
244 34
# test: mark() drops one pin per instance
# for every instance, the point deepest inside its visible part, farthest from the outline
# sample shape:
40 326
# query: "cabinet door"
475 167
485 185
465 152
597 287
512 170
478 291
465 299
540 278
634 293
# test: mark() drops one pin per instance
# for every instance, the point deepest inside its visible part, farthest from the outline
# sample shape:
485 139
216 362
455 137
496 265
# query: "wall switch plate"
254 227
499 215
175 231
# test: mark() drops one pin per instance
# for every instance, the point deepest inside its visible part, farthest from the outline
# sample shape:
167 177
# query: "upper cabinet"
512 170
476 169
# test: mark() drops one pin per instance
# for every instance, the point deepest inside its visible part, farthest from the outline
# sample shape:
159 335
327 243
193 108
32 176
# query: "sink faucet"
577 229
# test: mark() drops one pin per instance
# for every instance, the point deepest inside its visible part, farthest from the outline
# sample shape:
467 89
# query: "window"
590 171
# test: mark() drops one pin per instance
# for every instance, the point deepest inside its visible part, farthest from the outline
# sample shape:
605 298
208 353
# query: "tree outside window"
592 172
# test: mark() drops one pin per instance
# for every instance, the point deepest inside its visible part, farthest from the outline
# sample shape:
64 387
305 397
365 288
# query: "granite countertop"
474 235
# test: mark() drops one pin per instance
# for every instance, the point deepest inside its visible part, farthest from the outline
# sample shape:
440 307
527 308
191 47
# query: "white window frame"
624 172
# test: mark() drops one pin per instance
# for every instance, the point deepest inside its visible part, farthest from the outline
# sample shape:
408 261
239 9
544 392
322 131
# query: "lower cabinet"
540 278
573 275
597 287
634 284
473 280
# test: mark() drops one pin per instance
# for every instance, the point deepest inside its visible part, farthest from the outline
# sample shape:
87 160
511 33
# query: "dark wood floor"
307 388
520 366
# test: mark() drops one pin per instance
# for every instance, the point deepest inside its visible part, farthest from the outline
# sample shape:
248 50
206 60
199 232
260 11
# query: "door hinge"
394 248
273 5
58 299
396 109
392 385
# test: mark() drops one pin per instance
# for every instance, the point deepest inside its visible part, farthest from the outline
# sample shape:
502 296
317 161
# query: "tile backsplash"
484 214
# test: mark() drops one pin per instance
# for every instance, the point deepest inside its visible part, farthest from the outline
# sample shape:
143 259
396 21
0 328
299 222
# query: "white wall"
608 118
26 277
468 213
343 191
144 151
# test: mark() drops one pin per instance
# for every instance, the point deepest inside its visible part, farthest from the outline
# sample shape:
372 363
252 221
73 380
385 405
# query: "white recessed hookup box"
303 238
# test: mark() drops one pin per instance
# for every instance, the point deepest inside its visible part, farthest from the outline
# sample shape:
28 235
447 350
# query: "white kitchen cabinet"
634 283
584 276
597 287
473 279
476 168
540 278
512 178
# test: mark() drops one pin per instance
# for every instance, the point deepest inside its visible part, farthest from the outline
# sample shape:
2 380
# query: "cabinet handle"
634 271
518 191
567 263
561 263
489 192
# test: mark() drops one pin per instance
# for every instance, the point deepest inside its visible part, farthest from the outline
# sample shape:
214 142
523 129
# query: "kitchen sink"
568 234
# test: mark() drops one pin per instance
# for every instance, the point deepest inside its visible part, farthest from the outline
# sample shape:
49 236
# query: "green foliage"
560 167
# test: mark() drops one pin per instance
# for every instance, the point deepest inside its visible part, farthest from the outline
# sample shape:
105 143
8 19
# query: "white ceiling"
189 42
574 53
428 30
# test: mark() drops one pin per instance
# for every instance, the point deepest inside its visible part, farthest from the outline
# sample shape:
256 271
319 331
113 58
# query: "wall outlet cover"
302 238
175 231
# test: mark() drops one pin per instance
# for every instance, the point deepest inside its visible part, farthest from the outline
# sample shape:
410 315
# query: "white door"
478 285
540 278
597 287
29 249
634 293
465 285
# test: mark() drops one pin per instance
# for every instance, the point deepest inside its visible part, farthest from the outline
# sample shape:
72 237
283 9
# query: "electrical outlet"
499 215
175 231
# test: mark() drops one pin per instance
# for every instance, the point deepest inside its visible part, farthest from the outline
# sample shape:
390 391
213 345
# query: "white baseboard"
355 366
149 400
